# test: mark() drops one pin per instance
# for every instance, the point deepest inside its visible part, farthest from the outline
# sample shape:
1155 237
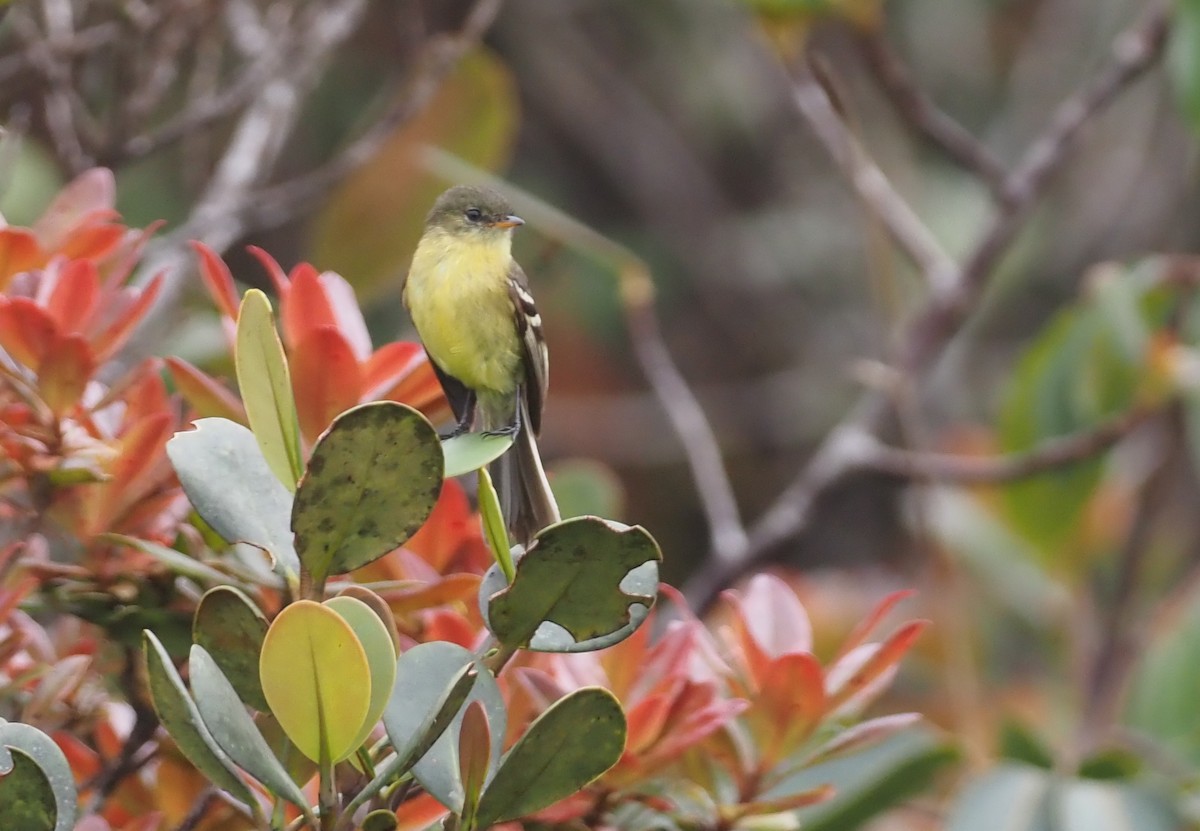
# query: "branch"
1058 452
279 203
852 440
873 186
930 122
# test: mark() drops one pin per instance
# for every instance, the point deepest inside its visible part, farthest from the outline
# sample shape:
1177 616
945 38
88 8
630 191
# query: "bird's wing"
536 358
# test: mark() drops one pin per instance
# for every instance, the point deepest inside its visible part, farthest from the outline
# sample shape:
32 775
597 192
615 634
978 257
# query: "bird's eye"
474 214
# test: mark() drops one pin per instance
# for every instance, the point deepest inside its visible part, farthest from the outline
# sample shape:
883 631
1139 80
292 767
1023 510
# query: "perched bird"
471 305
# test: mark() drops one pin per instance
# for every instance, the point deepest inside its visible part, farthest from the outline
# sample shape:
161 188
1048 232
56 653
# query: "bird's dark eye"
474 214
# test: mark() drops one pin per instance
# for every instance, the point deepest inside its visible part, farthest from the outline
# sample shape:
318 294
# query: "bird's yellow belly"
466 319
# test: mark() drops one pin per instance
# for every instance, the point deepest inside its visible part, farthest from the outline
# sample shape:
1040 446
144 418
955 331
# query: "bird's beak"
508 222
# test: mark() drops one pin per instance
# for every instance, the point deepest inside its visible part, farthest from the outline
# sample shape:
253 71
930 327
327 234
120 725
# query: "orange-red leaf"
207 396
882 659
88 196
93 242
278 278
863 630
19 252
113 337
26 331
64 373
217 278
73 296
326 379
789 705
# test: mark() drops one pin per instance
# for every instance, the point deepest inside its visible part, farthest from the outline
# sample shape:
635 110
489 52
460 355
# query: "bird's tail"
525 497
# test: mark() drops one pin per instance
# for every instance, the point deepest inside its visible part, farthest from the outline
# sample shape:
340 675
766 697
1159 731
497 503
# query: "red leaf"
278 278
207 396
128 254
145 394
445 625
19 252
419 389
789 705
474 751
93 242
451 538
26 331
863 630
73 295
419 813
64 373
645 719
90 194
884 658
388 365
113 338
307 306
326 379
217 278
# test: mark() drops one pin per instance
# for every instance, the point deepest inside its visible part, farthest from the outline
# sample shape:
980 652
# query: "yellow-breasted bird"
471 305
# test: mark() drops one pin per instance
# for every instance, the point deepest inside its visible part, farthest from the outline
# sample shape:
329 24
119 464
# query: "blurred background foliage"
672 128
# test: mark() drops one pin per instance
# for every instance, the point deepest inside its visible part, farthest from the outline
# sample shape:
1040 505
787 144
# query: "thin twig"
933 124
279 203
1052 454
903 225
854 438
199 808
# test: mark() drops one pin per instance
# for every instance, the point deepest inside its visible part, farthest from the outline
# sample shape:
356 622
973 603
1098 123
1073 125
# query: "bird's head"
466 209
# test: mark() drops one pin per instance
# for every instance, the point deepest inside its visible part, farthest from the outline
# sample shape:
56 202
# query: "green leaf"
1183 59
471 451
869 782
423 674
372 481
228 482
583 583
381 656
584 487
494 530
380 607
231 629
1020 744
266 388
418 741
26 798
176 561
1162 699
181 718
316 677
1088 805
37 789
229 723
1006 798
570 745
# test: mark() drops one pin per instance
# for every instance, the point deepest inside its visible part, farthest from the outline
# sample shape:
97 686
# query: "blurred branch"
903 225
727 534
279 203
1058 452
924 115
850 443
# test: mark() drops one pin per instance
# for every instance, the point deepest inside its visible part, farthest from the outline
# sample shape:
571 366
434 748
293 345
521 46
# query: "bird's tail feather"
526 501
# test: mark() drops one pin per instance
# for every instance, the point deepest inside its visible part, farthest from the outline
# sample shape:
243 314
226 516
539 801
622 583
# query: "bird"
471 305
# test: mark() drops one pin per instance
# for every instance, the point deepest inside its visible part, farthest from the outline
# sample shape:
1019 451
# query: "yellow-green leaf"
316 677
266 388
494 530
381 655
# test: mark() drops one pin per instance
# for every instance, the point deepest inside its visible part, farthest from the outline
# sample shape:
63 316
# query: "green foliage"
1183 59
583 584
37 789
371 482
231 629
471 451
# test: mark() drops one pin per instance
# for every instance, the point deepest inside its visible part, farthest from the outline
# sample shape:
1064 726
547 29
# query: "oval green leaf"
381 656
570 745
471 451
583 584
37 790
266 389
316 677
381 608
228 482
231 629
234 731
181 718
423 675
372 481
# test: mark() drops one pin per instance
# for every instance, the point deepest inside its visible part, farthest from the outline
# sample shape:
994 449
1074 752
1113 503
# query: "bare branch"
850 443
1052 454
903 225
280 203
930 122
